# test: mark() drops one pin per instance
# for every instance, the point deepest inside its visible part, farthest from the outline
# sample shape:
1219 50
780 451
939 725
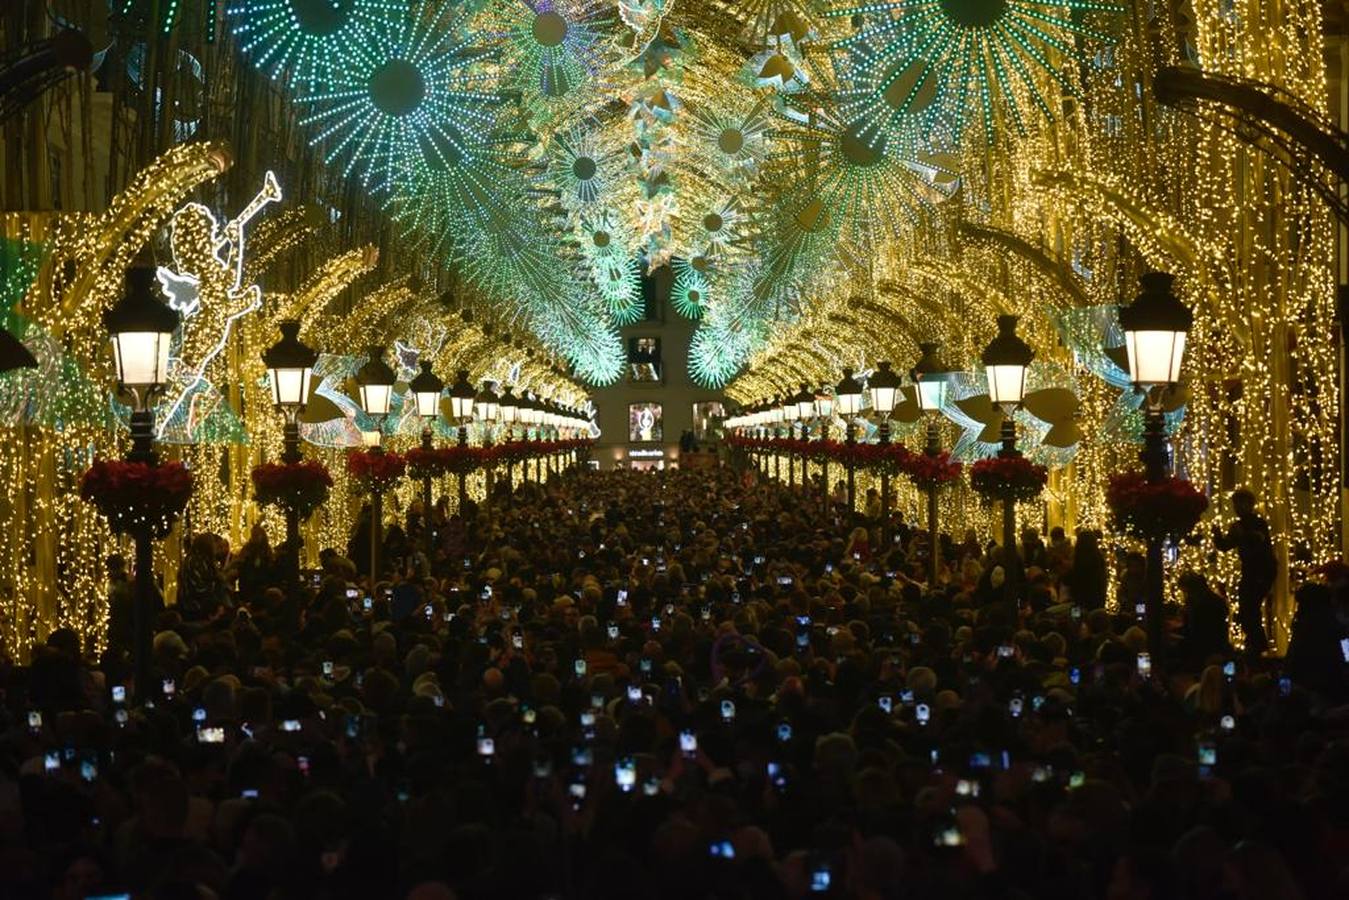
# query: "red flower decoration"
1008 478
134 495
301 486
1154 510
929 472
376 472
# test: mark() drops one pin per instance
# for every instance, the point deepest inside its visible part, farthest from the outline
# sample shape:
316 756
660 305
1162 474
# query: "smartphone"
249 793
688 742
1015 706
290 725
651 787
721 850
728 710
1076 613
168 687
820 879
327 668
1230 670
211 735
802 639
784 580
468 563
1075 675
302 763
1208 753
580 667
886 702
655 623
518 641
528 716
1141 610
199 714
622 597
1344 648
1285 686
316 579
367 603
784 731
582 757
1144 665
1227 723
118 693
949 836
51 762
613 631
967 787
352 593
644 665
625 774
922 713
486 747
34 720
1006 651
634 694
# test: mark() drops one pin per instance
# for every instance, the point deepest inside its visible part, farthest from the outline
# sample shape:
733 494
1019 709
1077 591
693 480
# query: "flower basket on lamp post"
376 473
1008 478
135 496
1154 510
301 487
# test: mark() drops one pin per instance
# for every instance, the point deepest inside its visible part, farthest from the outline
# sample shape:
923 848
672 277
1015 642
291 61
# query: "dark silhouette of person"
1249 536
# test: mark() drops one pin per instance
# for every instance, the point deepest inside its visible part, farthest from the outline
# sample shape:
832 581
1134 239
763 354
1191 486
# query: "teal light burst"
584 168
727 134
302 42
835 179
717 351
691 292
939 61
553 48
412 94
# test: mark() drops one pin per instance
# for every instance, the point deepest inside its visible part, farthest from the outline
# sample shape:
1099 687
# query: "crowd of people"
678 685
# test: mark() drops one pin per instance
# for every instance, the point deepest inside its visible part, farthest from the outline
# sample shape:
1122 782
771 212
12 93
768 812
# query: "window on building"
644 361
644 422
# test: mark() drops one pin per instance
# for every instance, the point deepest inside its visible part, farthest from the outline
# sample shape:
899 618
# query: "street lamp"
824 410
848 402
884 387
1155 327
141 328
930 378
374 383
1006 360
509 408
290 368
461 403
427 389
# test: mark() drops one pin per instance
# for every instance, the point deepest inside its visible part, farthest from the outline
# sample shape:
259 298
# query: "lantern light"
930 377
848 395
884 387
1155 327
1006 360
427 388
141 327
375 382
290 368
461 398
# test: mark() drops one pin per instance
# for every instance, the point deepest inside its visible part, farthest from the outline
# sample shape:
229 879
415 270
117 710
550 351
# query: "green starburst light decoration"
303 42
413 94
584 167
691 292
942 60
553 48
727 134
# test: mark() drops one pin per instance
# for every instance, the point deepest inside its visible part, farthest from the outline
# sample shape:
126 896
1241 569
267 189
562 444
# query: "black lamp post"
290 369
375 381
930 379
1006 360
141 328
805 410
487 403
461 403
1155 327
790 414
824 411
427 388
510 414
884 388
848 402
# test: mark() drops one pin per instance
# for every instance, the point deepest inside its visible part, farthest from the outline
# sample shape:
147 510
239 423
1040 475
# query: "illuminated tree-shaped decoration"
717 351
941 60
415 93
691 291
553 48
303 42
619 281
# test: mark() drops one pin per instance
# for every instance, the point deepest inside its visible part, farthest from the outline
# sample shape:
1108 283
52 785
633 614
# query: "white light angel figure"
206 286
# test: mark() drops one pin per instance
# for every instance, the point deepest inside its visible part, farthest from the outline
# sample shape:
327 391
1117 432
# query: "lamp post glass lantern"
427 390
